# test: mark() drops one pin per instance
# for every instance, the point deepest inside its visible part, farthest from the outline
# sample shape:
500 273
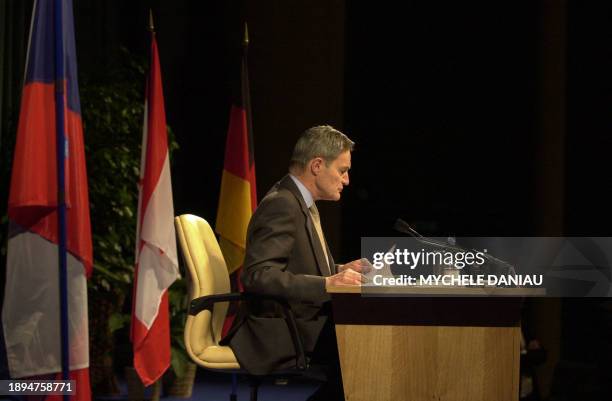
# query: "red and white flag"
156 257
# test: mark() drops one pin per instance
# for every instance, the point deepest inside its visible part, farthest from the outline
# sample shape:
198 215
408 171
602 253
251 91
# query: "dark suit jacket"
285 259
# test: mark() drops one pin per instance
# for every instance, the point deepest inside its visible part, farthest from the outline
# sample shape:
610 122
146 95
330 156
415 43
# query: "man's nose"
345 179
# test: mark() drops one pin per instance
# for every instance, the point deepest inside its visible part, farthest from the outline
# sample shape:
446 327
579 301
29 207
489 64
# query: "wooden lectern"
414 344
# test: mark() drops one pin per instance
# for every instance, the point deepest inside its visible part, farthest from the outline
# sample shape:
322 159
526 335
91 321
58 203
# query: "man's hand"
360 265
344 278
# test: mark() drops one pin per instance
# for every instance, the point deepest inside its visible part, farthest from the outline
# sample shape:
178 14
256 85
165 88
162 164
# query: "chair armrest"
205 303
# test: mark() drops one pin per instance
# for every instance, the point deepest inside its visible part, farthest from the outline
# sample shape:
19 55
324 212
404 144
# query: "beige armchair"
209 294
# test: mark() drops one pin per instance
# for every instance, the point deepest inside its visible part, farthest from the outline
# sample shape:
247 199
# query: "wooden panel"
425 363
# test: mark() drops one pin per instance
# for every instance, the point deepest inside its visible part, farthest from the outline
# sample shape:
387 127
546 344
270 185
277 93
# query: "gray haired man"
287 257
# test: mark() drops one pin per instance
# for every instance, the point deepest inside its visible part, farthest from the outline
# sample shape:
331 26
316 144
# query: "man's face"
332 177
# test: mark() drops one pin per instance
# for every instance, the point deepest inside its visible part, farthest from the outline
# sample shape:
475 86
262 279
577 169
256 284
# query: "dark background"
470 118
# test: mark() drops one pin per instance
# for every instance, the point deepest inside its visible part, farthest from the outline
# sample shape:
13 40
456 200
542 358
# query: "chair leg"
254 383
233 395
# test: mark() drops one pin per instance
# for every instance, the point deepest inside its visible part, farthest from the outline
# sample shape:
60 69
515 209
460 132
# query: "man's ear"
315 165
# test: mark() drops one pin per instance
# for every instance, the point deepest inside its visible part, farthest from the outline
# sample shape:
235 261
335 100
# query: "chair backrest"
208 275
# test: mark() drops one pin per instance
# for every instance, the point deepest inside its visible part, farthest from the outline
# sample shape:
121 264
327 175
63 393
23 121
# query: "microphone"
403 227
493 263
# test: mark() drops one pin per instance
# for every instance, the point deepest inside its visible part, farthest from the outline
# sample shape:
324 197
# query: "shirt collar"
306 195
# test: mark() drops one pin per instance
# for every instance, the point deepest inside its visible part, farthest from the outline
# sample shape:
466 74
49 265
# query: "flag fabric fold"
31 309
156 255
238 197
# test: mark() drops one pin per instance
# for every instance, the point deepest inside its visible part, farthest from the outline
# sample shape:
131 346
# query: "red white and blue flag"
31 309
156 256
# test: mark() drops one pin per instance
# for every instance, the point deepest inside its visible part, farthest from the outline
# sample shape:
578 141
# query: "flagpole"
245 93
61 190
141 174
143 152
151 26
245 103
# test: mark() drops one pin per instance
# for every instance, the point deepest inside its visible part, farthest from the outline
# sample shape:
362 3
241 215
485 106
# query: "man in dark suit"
287 257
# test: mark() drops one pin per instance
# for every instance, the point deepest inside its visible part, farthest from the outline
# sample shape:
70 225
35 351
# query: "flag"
156 257
238 197
31 309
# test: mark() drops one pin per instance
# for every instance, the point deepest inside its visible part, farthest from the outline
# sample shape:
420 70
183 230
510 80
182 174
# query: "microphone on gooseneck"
403 227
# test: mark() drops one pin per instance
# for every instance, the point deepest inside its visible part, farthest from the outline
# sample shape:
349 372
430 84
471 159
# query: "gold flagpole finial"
246 35
151 26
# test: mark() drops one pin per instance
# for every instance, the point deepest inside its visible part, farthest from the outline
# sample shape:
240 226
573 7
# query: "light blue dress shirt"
306 195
